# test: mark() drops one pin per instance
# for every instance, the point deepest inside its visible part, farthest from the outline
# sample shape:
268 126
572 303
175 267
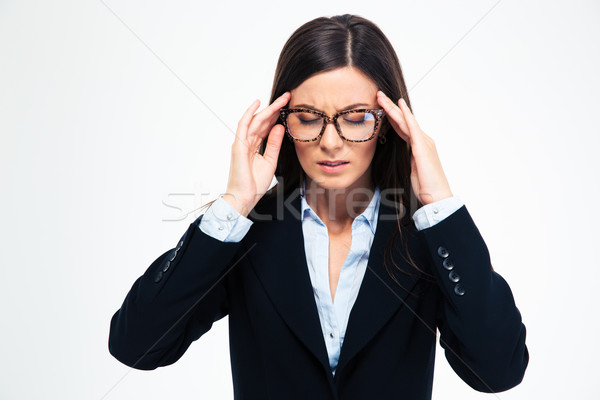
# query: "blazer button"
167 265
448 264
158 276
453 276
459 290
442 252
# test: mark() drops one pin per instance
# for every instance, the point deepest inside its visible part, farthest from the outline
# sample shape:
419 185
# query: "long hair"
327 43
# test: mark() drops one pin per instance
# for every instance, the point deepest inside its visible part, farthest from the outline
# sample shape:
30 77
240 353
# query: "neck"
338 207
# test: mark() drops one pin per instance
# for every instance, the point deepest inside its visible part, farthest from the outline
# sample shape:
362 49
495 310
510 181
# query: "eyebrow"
343 109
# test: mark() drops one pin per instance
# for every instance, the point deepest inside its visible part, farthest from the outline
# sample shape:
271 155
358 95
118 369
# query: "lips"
332 163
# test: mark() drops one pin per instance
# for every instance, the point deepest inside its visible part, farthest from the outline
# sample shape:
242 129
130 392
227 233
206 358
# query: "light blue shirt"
334 314
223 222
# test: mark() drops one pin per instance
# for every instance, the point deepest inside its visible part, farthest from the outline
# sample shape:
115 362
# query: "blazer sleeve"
480 326
174 302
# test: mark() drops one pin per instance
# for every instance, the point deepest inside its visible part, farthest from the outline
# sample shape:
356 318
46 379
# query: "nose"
330 137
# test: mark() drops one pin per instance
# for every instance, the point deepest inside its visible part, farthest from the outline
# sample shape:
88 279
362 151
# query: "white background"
116 121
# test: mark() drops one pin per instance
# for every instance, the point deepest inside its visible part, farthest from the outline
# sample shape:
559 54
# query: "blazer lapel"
283 271
379 297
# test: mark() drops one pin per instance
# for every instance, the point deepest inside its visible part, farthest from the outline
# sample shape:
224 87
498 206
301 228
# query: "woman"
336 279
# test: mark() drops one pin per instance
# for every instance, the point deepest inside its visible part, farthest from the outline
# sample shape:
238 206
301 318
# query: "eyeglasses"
306 125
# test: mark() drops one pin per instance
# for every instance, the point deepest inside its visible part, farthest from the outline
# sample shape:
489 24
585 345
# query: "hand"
427 176
251 174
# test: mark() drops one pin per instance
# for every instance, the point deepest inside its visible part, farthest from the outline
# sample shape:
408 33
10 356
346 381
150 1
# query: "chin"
333 182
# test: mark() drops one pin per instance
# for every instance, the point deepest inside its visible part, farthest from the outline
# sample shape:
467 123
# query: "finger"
273 119
273 109
408 115
274 144
242 127
279 102
395 116
269 114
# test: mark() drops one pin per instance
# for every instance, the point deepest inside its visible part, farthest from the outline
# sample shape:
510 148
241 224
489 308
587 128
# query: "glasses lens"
303 125
357 125
354 126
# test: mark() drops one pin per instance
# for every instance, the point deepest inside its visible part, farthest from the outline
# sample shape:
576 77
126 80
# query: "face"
331 92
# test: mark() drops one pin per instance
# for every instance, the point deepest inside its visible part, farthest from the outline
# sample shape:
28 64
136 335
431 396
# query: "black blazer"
276 344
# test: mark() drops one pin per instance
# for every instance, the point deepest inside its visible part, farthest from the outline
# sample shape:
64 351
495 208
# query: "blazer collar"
280 264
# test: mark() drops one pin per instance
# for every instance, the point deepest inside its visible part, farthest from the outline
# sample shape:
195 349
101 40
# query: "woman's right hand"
251 174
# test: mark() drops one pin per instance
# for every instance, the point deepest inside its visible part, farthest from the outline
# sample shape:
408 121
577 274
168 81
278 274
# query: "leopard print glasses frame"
378 114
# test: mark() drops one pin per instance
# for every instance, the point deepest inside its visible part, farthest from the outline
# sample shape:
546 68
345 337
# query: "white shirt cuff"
223 222
432 213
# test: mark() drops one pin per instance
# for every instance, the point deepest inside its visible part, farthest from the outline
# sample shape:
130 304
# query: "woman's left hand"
427 176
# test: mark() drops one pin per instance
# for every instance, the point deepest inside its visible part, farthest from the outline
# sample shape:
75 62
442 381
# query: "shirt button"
331 335
220 228
228 216
435 210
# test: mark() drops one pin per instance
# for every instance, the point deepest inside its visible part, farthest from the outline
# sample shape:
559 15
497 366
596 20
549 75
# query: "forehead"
335 89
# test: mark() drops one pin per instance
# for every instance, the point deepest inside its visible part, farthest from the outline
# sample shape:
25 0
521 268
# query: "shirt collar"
369 214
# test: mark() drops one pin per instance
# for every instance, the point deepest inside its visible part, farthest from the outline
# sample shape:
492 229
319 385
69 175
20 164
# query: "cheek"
303 154
369 152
